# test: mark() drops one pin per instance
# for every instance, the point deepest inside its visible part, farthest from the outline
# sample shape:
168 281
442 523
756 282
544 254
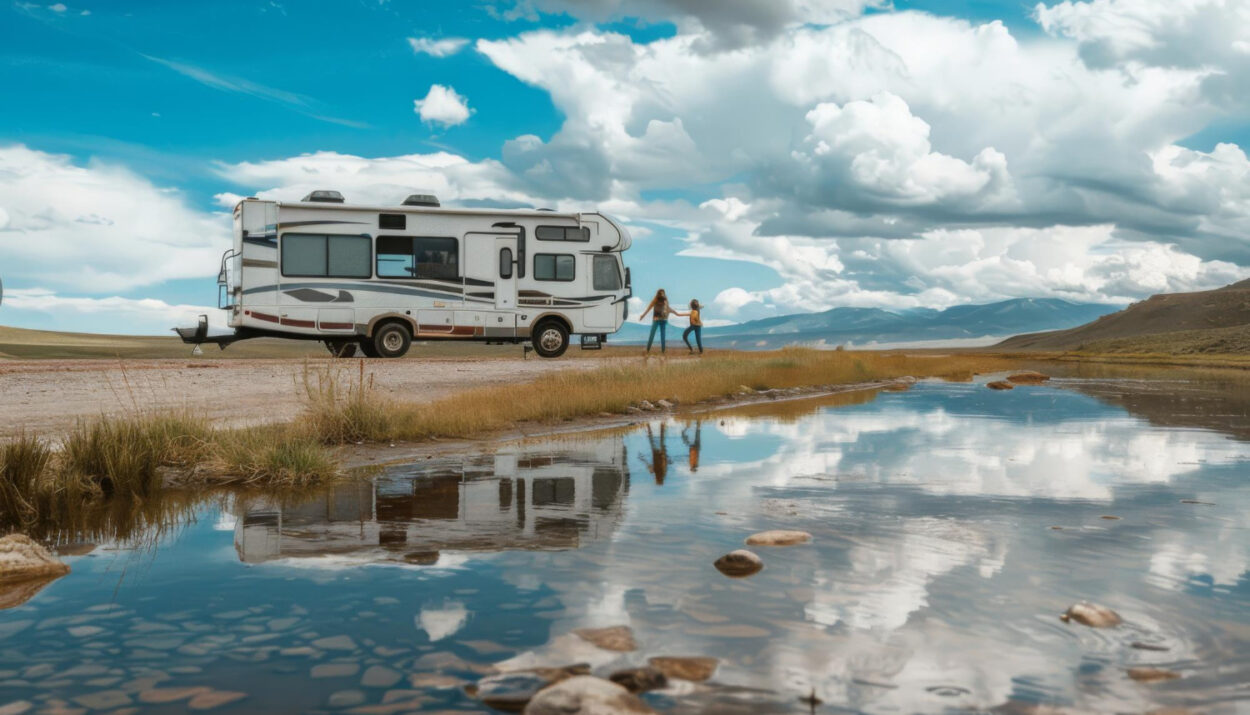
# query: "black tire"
341 348
366 347
391 340
550 339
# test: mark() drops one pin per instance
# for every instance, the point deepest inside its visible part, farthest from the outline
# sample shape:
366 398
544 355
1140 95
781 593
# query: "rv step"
199 335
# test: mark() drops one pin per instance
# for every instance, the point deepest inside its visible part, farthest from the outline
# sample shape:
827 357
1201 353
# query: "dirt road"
46 397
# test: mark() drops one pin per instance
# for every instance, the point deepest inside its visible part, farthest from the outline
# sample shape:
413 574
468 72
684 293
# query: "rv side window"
553 267
505 263
562 233
321 256
420 257
607 275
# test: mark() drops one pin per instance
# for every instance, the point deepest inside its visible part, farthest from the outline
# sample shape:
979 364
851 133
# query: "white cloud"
444 47
880 149
442 105
45 309
99 227
59 7
383 180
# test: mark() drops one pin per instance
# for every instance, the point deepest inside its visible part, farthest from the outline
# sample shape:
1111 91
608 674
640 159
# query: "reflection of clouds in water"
889 575
442 622
944 453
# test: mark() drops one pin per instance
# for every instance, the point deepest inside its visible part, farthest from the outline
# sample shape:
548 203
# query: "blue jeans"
698 336
662 326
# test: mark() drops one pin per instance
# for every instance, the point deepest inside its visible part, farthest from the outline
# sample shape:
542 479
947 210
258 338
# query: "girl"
696 327
659 304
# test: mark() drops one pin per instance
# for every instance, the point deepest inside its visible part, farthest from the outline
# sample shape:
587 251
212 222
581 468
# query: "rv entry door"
505 273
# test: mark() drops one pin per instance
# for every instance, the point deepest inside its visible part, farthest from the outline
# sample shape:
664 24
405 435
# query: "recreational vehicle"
375 278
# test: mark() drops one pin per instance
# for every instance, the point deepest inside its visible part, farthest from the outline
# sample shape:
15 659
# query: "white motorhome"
375 278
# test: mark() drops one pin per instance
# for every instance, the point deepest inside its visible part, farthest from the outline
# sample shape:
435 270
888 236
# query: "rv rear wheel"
391 340
341 348
550 339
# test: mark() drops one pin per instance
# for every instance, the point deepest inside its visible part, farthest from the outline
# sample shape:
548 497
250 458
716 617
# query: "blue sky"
772 156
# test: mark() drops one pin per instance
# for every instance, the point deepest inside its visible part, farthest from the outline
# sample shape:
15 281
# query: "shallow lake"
951 526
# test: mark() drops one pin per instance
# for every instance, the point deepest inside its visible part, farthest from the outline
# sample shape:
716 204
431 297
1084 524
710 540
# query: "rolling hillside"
1206 321
865 326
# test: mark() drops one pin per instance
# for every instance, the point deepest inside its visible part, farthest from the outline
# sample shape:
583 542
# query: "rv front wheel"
391 340
550 339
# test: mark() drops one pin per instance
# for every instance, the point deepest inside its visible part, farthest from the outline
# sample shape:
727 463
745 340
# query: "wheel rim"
551 339
392 341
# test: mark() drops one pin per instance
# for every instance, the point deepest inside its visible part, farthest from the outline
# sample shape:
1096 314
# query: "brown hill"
1189 317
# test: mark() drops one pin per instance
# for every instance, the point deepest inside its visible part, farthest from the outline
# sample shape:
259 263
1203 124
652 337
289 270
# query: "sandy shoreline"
47 397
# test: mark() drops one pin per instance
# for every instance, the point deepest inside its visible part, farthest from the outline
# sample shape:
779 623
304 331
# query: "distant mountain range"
1210 321
868 326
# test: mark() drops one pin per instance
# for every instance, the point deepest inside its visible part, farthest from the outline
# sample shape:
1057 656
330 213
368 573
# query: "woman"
696 327
658 304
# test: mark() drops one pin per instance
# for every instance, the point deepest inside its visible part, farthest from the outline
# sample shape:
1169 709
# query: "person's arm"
678 312
648 310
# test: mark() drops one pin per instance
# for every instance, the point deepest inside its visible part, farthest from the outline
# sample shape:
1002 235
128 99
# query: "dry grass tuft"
284 456
339 411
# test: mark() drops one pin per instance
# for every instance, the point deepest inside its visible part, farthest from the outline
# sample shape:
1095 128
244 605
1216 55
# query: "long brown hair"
661 299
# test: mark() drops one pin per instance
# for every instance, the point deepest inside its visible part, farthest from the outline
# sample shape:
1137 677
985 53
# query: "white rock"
587 695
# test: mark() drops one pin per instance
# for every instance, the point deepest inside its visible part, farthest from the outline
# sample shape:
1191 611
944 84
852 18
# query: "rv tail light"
324 196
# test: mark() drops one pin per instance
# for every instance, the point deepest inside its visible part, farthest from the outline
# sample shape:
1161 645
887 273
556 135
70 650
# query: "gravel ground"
46 397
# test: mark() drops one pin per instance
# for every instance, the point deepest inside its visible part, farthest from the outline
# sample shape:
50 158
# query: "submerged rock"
586 694
617 638
639 680
1092 615
1028 377
511 691
1000 385
739 564
697 669
1152 675
780 537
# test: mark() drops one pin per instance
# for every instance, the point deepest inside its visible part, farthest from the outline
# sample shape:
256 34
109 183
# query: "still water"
951 524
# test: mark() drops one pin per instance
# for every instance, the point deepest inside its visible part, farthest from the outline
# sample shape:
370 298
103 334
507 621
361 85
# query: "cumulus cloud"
444 47
48 310
879 149
99 227
945 267
442 105
724 24
381 180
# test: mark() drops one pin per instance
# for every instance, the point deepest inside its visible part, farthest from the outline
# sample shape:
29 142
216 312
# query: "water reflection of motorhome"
549 497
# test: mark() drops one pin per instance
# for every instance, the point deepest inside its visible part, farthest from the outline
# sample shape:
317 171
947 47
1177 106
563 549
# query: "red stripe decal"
265 316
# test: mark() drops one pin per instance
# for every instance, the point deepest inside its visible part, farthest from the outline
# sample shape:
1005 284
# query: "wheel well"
553 317
383 320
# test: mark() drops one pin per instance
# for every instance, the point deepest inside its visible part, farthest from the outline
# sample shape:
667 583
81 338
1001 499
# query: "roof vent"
323 196
422 200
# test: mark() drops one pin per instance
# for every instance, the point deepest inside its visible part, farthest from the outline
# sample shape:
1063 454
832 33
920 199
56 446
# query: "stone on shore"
739 564
696 669
1152 675
21 558
1028 377
639 680
586 694
779 537
617 638
1000 385
1092 615
511 691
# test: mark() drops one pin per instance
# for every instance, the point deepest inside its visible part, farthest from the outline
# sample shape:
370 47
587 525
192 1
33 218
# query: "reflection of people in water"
659 453
694 446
